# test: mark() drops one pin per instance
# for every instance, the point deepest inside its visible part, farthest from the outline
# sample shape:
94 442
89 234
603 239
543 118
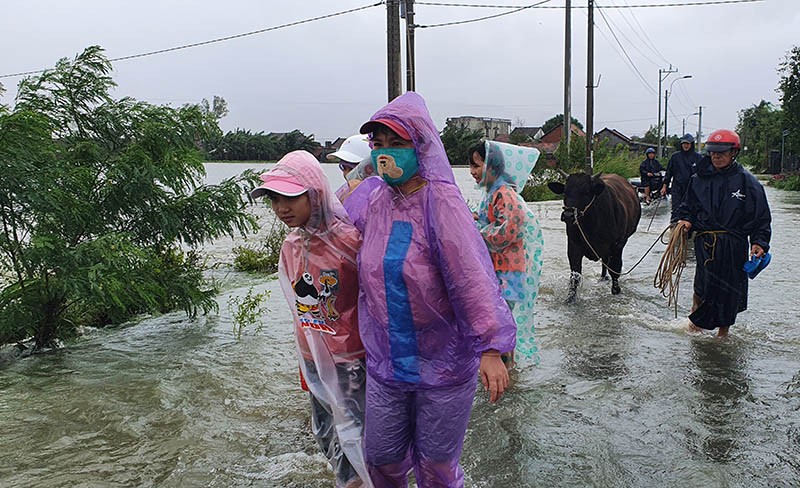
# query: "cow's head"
579 192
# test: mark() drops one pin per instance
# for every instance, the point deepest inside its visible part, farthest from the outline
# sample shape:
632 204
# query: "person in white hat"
353 150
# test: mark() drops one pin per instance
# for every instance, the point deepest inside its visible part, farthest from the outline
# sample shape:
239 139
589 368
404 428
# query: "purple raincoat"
429 305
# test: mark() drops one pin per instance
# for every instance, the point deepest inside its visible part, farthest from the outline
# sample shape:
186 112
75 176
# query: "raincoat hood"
303 166
410 112
509 164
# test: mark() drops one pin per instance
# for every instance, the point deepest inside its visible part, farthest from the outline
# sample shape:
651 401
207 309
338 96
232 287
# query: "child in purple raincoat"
430 312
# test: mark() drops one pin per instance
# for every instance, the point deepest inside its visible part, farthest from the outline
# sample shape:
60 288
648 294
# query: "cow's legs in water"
604 270
615 263
575 266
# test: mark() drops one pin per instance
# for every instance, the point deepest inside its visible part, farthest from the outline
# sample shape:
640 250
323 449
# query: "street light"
666 106
683 131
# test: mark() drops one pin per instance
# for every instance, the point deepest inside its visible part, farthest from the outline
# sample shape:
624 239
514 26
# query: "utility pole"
666 73
567 132
393 48
410 61
699 129
589 167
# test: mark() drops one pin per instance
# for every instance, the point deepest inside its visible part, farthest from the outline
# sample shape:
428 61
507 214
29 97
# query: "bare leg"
722 332
696 301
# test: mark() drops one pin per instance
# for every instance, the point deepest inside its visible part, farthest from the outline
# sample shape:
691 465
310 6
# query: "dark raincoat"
727 208
682 165
649 166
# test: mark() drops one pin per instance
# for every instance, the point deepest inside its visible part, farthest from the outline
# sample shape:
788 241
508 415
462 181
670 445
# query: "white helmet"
353 149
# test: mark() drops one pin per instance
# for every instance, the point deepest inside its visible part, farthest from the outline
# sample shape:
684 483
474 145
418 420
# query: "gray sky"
329 76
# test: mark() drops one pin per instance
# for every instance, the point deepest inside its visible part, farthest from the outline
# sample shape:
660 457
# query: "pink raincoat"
318 277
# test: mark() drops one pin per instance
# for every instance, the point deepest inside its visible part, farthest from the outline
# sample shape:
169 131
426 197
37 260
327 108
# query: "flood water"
622 397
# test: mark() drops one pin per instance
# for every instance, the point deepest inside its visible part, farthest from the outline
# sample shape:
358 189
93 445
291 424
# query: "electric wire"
480 19
650 5
639 29
622 33
219 39
633 65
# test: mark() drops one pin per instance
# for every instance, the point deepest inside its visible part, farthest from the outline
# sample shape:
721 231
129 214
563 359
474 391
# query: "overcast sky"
329 76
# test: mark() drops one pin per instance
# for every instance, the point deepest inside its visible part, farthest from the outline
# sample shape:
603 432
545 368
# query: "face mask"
395 165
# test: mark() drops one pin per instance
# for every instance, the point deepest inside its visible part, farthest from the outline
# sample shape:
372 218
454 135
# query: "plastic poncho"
727 208
513 234
319 279
429 303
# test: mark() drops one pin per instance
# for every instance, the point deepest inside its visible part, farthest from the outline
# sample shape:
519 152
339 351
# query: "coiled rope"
668 275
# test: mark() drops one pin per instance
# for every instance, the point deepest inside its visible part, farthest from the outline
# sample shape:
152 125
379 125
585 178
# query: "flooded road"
622 397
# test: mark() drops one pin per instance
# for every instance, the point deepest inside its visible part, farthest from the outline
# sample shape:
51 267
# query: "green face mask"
395 165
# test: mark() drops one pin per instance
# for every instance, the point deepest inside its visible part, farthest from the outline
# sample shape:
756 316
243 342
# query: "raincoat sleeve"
690 205
506 218
643 169
468 273
668 173
284 263
760 227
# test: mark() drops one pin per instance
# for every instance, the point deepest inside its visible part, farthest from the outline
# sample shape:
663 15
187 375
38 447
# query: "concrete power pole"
699 130
666 73
566 135
393 48
589 167
410 61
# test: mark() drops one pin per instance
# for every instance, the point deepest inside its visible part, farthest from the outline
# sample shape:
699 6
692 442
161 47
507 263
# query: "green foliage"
759 128
248 310
789 89
789 183
618 160
553 122
457 141
239 145
538 193
264 257
101 205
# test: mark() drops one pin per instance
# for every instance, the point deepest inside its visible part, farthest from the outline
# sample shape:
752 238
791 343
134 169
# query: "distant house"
526 134
330 147
554 134
613 137
490 127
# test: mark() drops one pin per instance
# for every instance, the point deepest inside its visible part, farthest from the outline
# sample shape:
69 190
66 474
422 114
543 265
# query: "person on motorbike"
650 172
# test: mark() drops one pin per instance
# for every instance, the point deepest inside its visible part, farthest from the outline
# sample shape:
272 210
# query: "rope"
618 273
668 275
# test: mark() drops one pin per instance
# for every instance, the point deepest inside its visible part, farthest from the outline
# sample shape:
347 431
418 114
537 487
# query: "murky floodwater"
622 397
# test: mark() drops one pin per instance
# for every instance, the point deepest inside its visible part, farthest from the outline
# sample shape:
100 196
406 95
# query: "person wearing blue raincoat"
431 316
511 231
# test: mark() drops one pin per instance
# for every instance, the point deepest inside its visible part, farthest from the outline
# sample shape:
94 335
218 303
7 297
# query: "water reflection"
719 372
595 349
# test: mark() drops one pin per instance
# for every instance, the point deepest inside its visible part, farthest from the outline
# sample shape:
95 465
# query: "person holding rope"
725 206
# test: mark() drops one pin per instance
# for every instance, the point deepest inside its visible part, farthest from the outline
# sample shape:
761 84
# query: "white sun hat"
353 149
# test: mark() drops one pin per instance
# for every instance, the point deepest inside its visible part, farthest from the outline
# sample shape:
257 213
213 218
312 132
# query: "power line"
220 39
609 21
692 4
479 19
643 35
635 68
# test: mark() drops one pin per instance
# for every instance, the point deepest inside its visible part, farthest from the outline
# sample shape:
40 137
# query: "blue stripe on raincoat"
403 337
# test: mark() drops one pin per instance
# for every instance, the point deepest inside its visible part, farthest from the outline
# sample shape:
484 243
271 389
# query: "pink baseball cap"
280 182
370 127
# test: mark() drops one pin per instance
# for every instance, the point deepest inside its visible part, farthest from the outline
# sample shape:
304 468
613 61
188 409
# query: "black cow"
603 210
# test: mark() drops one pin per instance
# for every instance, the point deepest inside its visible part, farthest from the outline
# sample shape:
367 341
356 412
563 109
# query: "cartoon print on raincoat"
318 277
513 234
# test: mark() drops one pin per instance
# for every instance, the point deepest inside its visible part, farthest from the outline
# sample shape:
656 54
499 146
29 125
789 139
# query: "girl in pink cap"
317 273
